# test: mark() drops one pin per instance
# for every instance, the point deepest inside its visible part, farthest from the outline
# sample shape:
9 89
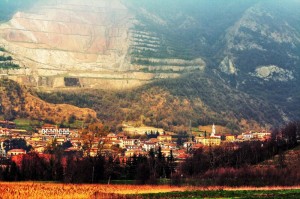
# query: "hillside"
163 63
16 102
172 104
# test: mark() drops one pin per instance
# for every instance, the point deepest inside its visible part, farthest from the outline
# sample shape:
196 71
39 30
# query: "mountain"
217 61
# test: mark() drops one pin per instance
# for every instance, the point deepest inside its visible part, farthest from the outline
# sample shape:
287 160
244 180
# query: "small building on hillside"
132 152
247 136
131 142
229 138
261 135
111 136
147 146
54 131
121 136
4 131
211 141
164 138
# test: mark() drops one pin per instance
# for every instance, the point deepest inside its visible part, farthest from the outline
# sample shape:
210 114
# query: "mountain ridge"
250 49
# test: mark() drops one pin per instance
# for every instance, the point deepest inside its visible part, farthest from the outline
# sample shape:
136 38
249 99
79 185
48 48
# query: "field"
35 190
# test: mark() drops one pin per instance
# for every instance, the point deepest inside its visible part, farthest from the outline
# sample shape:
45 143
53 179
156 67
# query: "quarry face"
75 43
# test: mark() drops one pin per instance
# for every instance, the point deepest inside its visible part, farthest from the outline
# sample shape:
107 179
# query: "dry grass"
34 190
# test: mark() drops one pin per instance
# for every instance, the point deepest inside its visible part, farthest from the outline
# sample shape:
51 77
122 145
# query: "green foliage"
27 124
4 58
9 65
6 62
16 144
12 92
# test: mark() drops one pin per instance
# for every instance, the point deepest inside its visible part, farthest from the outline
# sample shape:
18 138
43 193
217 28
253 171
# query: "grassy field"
27 124
225 194
34 190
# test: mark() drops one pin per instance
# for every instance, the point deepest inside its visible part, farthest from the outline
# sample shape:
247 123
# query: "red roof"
17 150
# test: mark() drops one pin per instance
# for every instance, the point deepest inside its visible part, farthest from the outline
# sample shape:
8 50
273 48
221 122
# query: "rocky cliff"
90 40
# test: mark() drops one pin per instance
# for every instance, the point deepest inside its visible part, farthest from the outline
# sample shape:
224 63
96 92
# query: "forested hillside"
172 104
17 102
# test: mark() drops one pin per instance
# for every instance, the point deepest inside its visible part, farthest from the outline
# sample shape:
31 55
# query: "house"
36 138
211 141
39 149
76 142
199 139
60 140
180 155
166 152
4 131
197 146
18 131
15 152
94 152
153 140
261 135
164 138
216 136
131 142
121 136
169 146
108 144
53 130
111 136
137 152
247 136
73 151
229 138
188 146
117 143
147 146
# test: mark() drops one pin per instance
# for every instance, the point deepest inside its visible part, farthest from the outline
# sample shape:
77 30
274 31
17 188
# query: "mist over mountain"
247 50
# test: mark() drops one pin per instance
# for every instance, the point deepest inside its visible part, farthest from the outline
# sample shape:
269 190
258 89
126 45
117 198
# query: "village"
122 144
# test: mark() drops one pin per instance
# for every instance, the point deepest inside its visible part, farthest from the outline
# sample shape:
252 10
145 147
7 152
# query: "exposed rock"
227 66
90 40
273 73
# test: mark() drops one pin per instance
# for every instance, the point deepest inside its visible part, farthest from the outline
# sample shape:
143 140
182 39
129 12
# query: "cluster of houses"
115 144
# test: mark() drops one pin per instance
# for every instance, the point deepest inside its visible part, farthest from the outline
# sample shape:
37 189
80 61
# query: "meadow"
35 190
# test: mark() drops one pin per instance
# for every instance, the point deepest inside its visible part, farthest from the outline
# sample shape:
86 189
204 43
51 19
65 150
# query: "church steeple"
213 131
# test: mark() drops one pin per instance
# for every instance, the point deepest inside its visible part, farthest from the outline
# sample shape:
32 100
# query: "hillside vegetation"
16 102
173 103
249 51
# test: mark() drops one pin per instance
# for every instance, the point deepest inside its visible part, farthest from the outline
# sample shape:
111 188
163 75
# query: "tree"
67 144
16 144
72 119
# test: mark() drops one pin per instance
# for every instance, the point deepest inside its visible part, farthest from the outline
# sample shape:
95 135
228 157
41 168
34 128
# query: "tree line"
233 164
236 164
139 169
